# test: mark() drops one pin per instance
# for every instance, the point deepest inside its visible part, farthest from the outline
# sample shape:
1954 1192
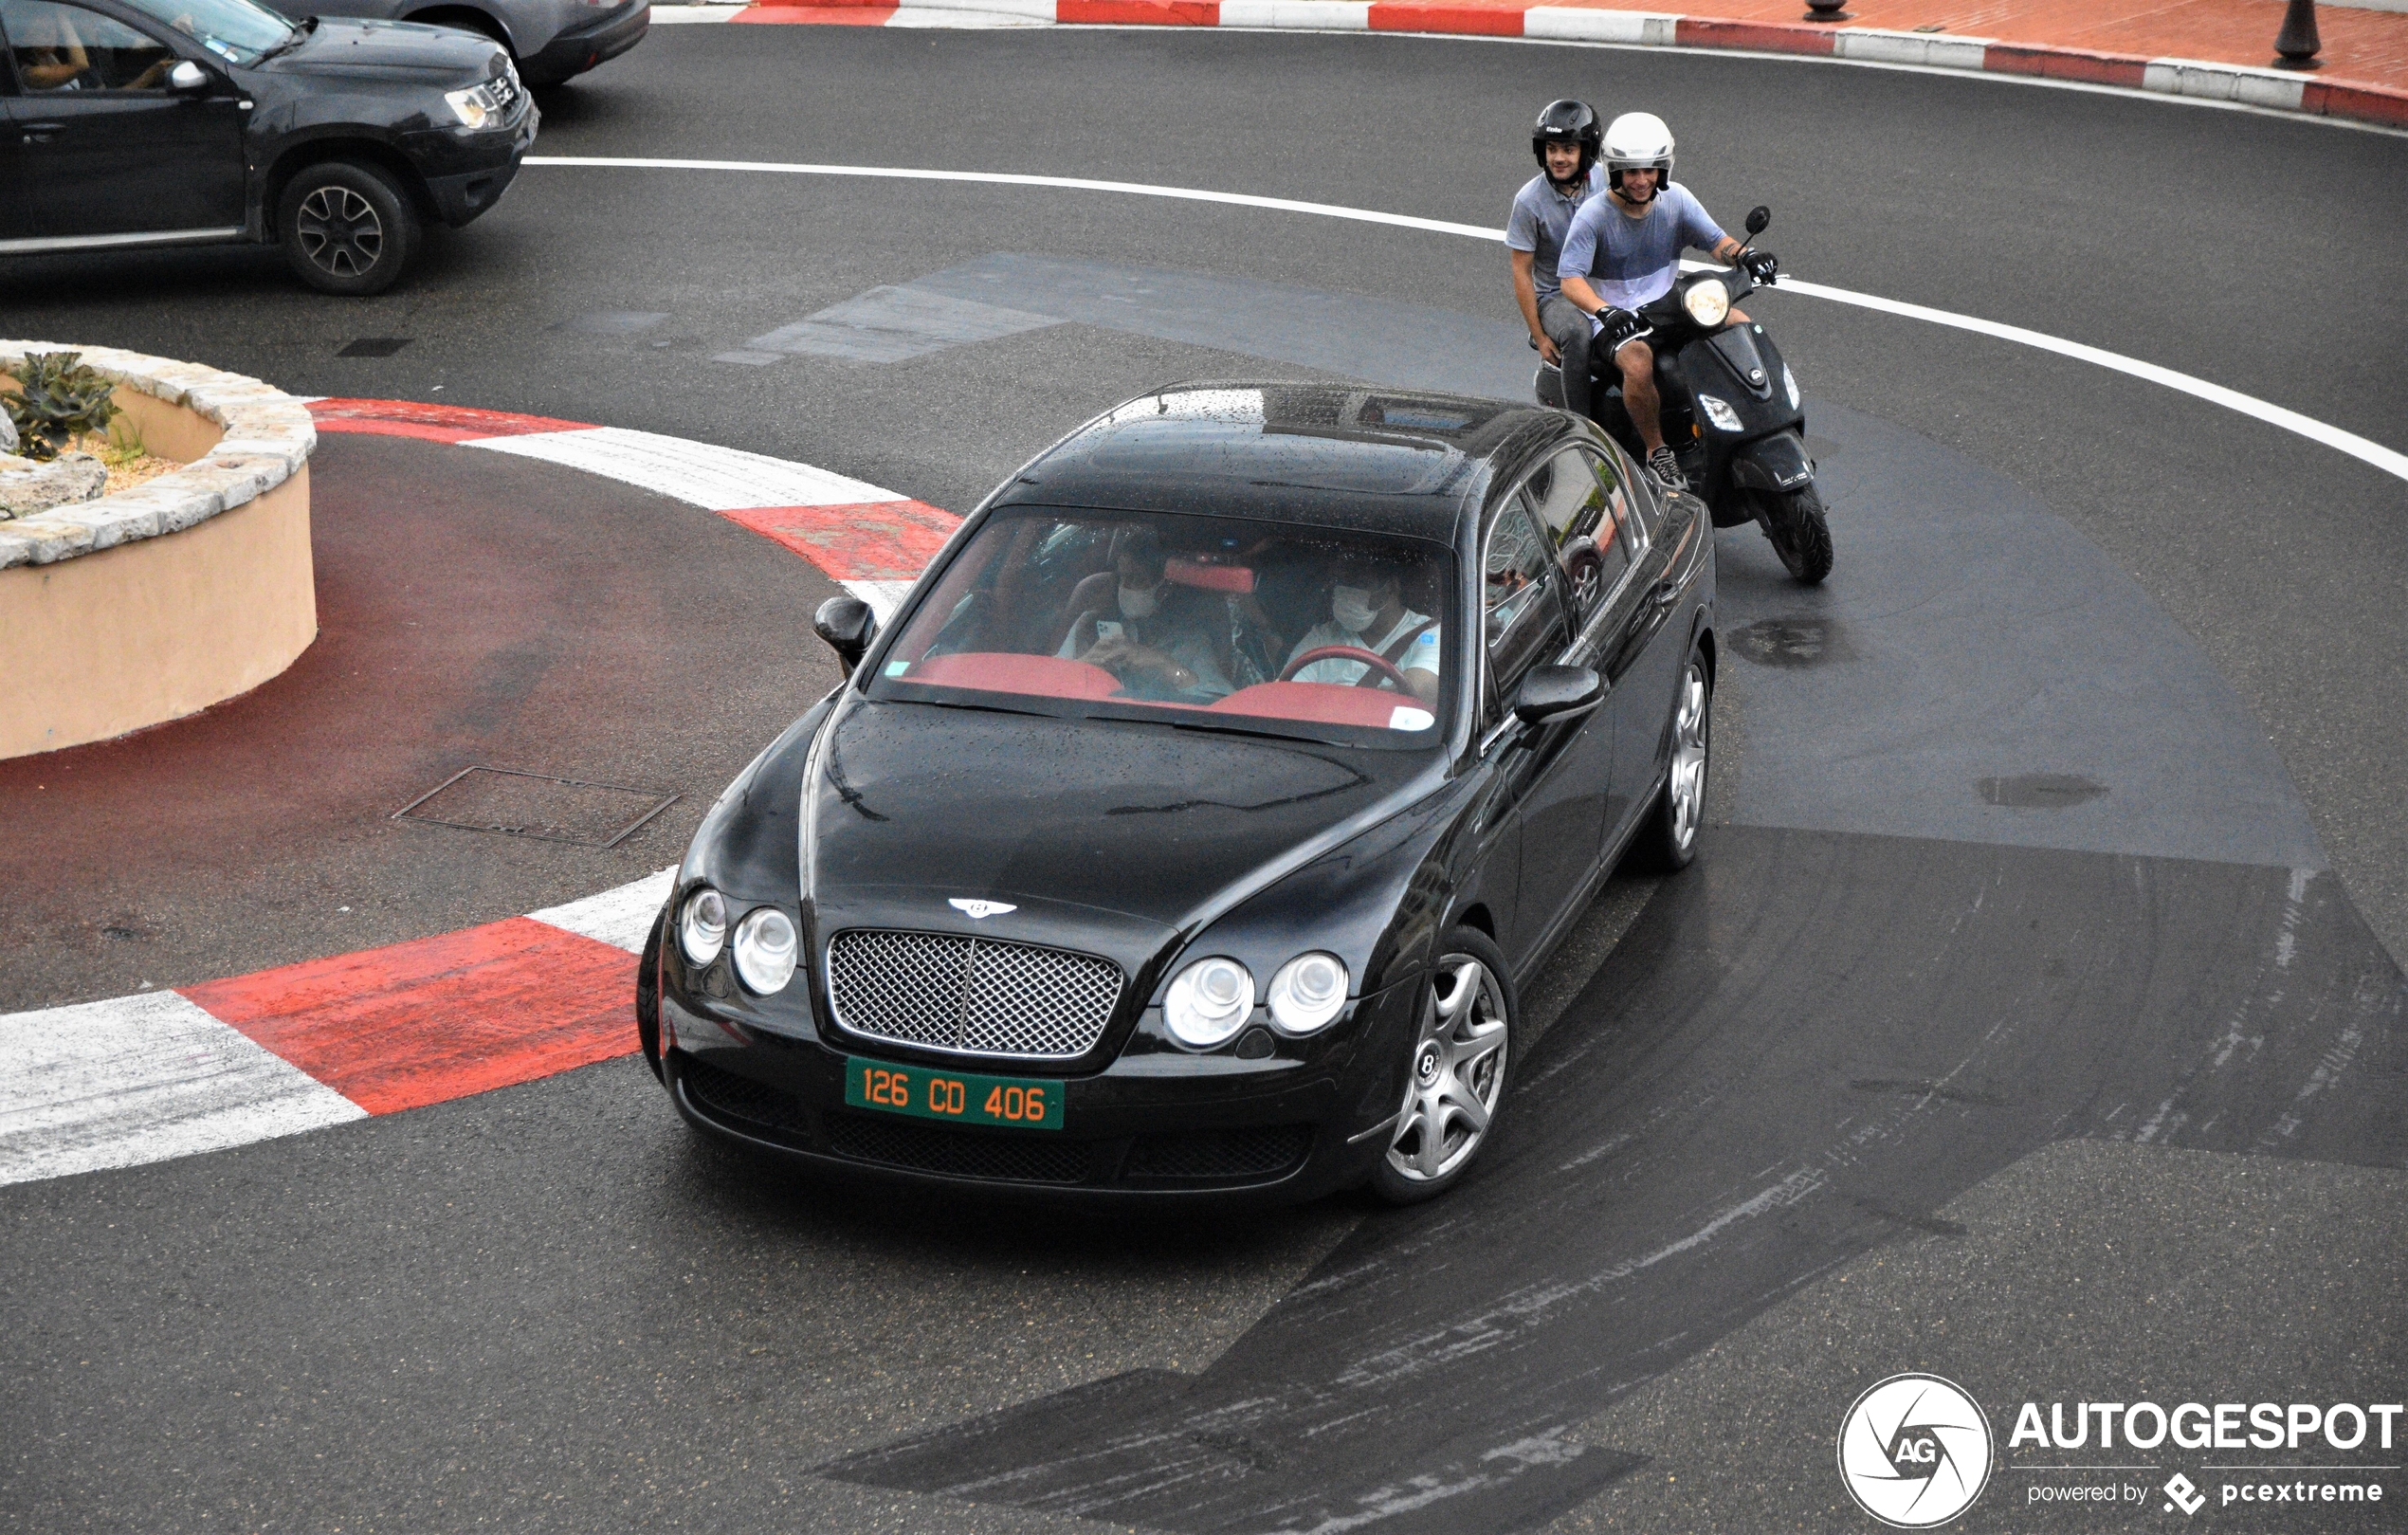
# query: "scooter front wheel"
1800 532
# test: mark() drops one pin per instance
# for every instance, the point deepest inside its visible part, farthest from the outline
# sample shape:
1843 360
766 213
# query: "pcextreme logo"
1915 1451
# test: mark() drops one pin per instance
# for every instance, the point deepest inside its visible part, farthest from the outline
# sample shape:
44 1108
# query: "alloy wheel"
1458 1070
1687 787
340 231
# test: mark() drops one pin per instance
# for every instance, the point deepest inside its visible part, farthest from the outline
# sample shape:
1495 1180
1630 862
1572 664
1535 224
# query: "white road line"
2389 460
620 917
142 1079
716 478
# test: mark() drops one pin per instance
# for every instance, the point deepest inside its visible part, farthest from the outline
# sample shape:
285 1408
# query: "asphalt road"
1990 1095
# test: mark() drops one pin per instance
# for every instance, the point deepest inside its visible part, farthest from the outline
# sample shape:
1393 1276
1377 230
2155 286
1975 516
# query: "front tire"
346 229
1456 1080
1668 843
1799 531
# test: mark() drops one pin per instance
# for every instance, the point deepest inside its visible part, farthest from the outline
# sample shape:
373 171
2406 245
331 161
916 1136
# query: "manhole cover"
512 803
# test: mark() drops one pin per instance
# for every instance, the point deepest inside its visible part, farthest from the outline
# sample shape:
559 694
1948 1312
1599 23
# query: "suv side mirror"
1557 693
1759 218
848 626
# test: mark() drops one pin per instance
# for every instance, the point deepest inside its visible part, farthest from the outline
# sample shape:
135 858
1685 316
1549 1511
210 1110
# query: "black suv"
144 122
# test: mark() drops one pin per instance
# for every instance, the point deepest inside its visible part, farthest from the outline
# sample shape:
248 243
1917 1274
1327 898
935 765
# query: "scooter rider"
1565 141
1623 251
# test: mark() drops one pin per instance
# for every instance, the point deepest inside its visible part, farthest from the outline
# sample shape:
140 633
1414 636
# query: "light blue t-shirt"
1632 260
1540 216
1421 655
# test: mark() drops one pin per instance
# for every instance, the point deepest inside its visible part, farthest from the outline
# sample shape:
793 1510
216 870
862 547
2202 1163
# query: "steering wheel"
1347 652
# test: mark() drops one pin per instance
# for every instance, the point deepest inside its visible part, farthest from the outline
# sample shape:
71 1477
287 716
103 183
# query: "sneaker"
1667 468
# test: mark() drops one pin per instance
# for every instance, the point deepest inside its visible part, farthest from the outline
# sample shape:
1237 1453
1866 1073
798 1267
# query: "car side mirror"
1759 218
848 626
187 76
1557 693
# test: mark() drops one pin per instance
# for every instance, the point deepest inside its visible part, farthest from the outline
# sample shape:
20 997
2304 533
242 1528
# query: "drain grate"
513 803
372 346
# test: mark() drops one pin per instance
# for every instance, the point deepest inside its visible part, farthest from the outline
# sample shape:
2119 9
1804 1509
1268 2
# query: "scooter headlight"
1719 412
1789 382
1208 1002
1708 302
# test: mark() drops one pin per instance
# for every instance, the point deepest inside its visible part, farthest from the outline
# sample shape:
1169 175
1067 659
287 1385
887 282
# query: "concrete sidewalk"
2214 50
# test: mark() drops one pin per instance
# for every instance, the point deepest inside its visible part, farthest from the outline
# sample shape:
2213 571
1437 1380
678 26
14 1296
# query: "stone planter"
159 601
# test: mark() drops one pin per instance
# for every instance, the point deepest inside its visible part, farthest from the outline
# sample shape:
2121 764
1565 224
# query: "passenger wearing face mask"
1367 612
1154 634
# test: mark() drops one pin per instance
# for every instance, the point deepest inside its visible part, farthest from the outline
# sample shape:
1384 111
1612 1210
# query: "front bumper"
1196 1129
467 173
579 49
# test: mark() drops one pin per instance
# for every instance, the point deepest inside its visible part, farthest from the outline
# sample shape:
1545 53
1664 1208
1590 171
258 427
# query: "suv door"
103 146
1558 772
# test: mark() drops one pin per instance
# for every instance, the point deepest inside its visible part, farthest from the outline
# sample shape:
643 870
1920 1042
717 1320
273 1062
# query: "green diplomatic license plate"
956 1097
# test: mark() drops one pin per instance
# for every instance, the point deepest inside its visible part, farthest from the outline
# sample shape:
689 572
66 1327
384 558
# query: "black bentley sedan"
1190 829
174 122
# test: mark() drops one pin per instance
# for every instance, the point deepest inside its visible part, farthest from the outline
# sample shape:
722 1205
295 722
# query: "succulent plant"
61 399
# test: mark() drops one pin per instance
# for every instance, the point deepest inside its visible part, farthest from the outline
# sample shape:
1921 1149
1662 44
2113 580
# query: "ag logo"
1915 1451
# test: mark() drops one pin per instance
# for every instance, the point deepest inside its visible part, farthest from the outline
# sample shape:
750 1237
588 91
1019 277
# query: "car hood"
1103 835
388 50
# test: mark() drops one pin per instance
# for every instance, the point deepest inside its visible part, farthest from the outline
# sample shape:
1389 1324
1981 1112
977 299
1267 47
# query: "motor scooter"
1732 413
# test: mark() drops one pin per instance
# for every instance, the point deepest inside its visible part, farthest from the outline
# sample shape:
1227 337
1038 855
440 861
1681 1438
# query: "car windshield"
235 30
1204 622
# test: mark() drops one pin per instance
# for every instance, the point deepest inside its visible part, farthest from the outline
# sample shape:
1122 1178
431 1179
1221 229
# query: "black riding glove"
1616 328
1761 265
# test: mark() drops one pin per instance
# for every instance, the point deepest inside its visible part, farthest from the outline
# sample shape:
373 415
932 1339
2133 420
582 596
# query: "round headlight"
1308 992
702 928
766 950
1208 1002
1708 302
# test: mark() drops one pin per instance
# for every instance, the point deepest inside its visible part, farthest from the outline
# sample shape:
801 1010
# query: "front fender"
1778 463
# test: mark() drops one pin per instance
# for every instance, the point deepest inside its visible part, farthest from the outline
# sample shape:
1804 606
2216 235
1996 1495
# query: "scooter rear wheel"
1800 532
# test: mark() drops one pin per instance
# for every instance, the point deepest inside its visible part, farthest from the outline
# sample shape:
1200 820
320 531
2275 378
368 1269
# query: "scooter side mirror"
1759 218
848 626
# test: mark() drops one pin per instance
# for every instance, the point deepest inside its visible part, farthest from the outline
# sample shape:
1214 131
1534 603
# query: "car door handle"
1665 593
41 133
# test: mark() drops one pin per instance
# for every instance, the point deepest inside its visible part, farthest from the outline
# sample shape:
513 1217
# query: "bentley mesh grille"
974 995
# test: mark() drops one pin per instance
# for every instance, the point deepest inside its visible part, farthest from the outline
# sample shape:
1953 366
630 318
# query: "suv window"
1525 620
62 47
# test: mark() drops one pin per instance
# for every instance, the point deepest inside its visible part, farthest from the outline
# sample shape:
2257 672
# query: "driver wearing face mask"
1152 635
1367 612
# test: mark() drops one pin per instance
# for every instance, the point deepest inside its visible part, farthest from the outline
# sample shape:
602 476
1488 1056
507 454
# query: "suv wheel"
347 228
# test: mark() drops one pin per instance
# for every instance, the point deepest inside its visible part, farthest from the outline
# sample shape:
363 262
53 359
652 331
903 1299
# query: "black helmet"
1567 122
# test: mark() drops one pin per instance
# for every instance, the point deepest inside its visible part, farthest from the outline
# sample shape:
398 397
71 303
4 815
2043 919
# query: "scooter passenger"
1623 253
1565 141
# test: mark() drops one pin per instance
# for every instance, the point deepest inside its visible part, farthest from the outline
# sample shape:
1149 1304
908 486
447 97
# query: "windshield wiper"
299 34
1249 730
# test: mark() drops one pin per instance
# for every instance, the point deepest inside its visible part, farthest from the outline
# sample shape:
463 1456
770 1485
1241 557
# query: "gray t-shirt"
1540 214
1632 260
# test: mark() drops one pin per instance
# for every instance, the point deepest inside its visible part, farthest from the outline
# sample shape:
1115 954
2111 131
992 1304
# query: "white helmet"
1635 142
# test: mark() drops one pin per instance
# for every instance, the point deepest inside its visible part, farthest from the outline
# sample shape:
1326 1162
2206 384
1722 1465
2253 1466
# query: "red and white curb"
165 1074
2204 79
